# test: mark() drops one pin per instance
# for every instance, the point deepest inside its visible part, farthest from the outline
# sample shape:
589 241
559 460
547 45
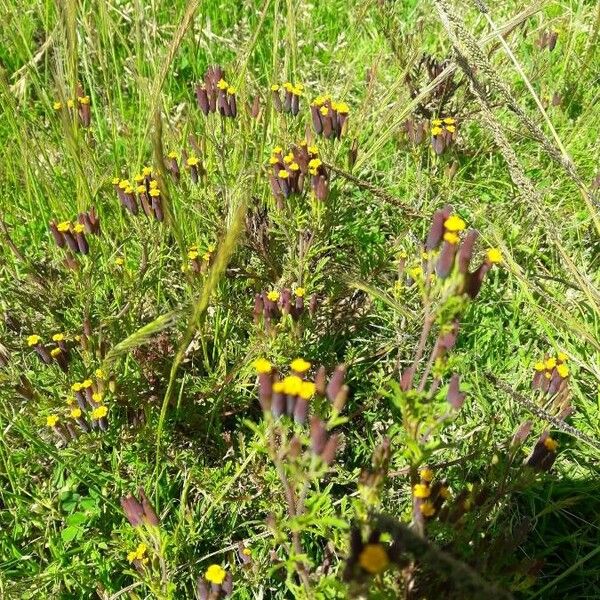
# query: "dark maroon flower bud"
436 231
321 381
543 455
133 510
255 108
278 404
318 435
336 382
202 589
316 119
327 125
202 99
295 104
552 38
232 105
445 260
150 516
277 101
71 241
330 449
227 585
522 433
290 405
406 379
473 281
320 187
465 252
287 101
556 99
301 411
157 207
352 154
83 424
43 354
258 307
265 388
61 359
455 397
146 204
285 301
82 243
312 307
57 235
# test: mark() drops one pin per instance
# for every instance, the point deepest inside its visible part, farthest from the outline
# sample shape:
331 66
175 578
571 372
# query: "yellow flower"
315 163
288 86
562 370
307 390
63 226
324 111
262 365
76 387
539 366
115 180
426 474
288 158
300 292
192 254
373 558
124 183
300 365
278 387
283 174
33 340
562 357
451 128
292 384
313 150
57 105
550 363
277 150
58 337
129 190
99 412
55 352
76 413
100 374
494 256
138 554
436 131
342 108
154 193
436 122
191 161
551 444
153 184
451 237
247 552
119 261
273 160
210 248
79 228
274 88
70 103
454 223
445 492
147 171
449 121
97 397
172 155
206 256
83 99
222 84
51 420
415 272
420 490
427 509
231 90
215 574
294 166
86 383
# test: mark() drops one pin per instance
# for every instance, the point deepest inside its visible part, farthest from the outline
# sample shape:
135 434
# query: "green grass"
184 418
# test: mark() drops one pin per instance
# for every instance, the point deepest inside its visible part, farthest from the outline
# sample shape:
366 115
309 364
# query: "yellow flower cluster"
438 126
138 554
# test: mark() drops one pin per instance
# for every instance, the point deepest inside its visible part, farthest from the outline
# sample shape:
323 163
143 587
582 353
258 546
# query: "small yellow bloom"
494 256
262 365
33 340
315 163
415 272
75 413
274 88
222 84
562 370
562 357
138 554
277 150
154 184
374 558
231 90
124 183
283 174
99 412
451 237
300 292
292 384
445 492
51 420
129 190
247 552
342 108
449 121
454 223
278 387
294 166
55 352
550 363
273 160
450 128
70 103
426 474
147 171
206 256
97 397
192 161
57 105
115 180
307 390
154 193
427 509
288 158
551 444
83 99
58 337
300 365
79 228
420 490
273 295
172 155
76 387
436 122
539 366
324 111
436 131
119 261
288 86
215 574
313 150
100 374
192 254
87 383
210 248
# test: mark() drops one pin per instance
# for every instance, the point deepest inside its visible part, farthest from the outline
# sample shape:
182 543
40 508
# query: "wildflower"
494 256
329 117
454 223
33 340
543 455
99 412
262 365
172 165
300 292
563 370
299 365
139 554
140 511
84 110
427 509
157 204
291 97
416 130
193 164
215 574
57 105
119 261
76 413
374 558
52 421
442 133
421 490
273 295
426 474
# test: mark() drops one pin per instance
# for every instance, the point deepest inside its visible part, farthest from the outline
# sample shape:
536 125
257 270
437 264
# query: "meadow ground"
251 345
